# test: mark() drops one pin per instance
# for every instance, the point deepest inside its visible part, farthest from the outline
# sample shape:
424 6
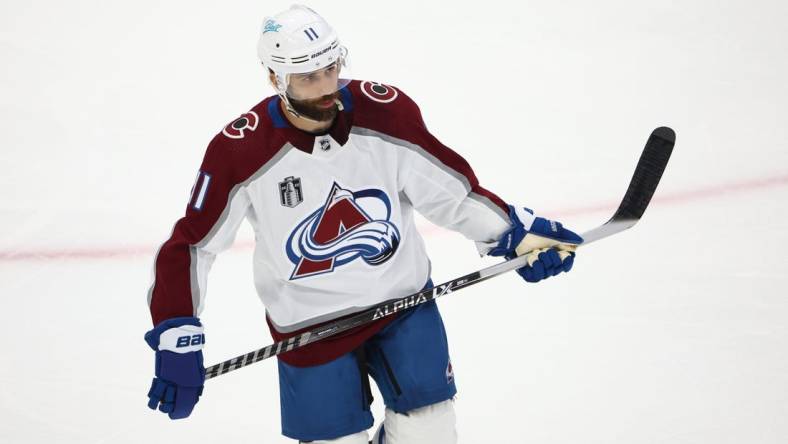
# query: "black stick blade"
648 172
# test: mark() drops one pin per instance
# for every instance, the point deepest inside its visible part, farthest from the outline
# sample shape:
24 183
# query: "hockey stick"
644 182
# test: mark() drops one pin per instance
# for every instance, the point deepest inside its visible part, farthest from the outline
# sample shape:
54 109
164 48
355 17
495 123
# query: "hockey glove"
550 247
179 366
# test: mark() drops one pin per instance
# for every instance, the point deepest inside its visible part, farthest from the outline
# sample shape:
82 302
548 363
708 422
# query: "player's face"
314 94
313 84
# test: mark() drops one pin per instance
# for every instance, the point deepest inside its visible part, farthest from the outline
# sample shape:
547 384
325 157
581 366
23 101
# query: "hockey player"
329 173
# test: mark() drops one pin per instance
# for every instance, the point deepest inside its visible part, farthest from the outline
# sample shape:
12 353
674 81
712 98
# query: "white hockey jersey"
332 213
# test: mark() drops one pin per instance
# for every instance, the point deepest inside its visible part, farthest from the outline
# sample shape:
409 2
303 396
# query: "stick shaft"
641 188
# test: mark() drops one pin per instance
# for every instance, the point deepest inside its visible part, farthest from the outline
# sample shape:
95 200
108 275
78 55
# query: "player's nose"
328 84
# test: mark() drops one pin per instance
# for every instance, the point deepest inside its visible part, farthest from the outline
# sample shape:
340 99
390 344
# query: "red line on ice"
660 199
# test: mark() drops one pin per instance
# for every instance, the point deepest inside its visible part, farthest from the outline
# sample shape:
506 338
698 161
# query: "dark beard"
310 110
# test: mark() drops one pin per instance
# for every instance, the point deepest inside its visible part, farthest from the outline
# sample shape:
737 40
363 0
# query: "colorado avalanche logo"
343 231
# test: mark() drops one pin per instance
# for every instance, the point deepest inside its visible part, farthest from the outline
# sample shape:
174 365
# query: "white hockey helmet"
299 41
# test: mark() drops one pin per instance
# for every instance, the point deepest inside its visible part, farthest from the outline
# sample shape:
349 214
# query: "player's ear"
272 77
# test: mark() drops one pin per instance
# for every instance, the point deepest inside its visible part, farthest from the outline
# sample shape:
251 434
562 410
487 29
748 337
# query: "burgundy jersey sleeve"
447 157
438 182
216 209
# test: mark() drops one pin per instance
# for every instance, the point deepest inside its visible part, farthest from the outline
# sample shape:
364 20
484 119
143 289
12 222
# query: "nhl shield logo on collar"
290 193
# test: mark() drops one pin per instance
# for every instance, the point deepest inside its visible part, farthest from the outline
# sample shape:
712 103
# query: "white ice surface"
673 332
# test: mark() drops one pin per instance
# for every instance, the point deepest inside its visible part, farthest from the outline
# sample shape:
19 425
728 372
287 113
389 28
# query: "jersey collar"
304 141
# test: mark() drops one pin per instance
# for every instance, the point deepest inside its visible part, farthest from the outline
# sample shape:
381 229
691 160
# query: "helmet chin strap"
282 92
291 110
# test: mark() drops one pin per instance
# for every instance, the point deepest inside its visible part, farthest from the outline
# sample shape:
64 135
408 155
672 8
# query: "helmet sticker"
379 92
271 26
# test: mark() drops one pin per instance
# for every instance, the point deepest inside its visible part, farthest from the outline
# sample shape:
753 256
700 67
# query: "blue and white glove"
180 374
549 246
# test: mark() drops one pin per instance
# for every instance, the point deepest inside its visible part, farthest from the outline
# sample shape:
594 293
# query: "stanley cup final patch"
290 193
